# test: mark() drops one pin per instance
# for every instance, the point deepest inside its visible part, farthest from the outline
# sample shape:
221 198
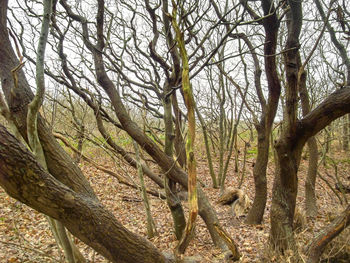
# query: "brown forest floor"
25 236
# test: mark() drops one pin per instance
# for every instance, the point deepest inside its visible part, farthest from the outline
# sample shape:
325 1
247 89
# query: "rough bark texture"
319 243
284 197
294 136
172 170
190 142
173 202
59 163
24 179
310 196
269 110
288 152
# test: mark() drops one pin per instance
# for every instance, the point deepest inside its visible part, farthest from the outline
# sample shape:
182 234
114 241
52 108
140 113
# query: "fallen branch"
229 242
319 243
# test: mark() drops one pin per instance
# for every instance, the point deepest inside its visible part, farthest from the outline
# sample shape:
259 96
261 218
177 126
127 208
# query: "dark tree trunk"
288 147
173 201
284 196
269 109
172 170
24 179
60 165
256 212
319 243
310 196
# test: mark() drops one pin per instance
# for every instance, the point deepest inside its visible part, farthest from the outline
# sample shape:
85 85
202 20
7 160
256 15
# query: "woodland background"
156 131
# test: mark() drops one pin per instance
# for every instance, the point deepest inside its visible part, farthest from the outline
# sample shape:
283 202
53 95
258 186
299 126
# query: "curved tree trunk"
172 170
59 163
288 147
24 179
269 109
319 243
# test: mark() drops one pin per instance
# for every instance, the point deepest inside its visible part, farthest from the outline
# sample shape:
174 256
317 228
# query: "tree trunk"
319 243
60 165
269 109
345 133
190 141
171 170
151 226
310 195
207 149
289 150
179 143
284 197
173 202
256 212
24 179
288 147
80 137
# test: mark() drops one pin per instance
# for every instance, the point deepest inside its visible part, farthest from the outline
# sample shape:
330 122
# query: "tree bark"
284 197
256 212
60 165
173 202
310 196
346 135
319 243
288 151
269 109
172 170
24 179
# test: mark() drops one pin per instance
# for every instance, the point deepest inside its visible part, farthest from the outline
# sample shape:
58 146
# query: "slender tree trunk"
310 194
207 149
173 202
151 226
346 135
243 165
190 142
269 109
80 138
256 212
179 143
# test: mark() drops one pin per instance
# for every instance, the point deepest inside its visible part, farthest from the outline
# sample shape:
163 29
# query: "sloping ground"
25 236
